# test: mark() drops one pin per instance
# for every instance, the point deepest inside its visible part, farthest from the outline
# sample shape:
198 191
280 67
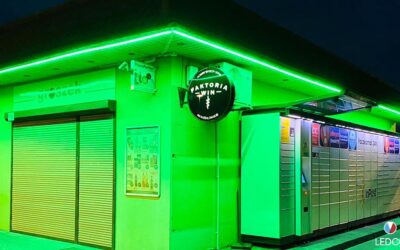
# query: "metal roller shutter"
96 182
44 179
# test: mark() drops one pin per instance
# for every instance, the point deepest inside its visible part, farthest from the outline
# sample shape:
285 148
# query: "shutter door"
96 182
44 179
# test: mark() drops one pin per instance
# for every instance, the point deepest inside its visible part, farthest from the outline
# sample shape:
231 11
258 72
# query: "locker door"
344 185
287 187
96 181
367 175
374 176
44 179
352 185
315 192
334 186
324 187
360 184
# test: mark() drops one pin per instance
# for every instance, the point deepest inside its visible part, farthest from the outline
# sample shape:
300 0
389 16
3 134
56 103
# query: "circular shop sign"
210 94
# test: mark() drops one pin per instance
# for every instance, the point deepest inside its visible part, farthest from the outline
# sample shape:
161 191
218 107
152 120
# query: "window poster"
324 136
352 140
285 130
386 145
334 137
143 161
391 145
315 134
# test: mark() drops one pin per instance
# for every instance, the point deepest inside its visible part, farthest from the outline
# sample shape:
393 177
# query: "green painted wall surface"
365 118
143 223
6 95
191 212
385 114
260 180
229 151
195 207
185 216
269 95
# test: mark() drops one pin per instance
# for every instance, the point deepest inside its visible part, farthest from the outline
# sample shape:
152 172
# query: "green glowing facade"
198 187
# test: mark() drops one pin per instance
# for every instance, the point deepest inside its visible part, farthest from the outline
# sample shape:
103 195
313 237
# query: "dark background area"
365 33
15 9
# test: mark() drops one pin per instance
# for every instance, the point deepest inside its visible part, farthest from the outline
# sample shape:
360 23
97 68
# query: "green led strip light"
267 65
85 51
163 33
389 109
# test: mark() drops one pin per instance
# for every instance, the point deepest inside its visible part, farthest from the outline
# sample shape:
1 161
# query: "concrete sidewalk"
357 239
15 241
360 239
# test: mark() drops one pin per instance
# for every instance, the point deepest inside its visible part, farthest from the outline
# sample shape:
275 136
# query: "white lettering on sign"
89 87
210 85
367 142
210 94
72 89
387 242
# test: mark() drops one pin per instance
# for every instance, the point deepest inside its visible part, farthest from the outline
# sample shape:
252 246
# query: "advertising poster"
391 145
344 138
352 140
315 134
386 145
285 130
143 161
324 136
334 136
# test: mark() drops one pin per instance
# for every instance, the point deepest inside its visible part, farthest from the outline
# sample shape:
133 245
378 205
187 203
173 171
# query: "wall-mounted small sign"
210 94
143 77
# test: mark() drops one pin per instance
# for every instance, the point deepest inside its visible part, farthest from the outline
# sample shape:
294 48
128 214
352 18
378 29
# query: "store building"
115 137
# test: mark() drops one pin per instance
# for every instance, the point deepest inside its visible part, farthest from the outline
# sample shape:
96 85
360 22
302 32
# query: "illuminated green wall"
229 151
195 206
189 214
365 118
264 94
267 95
143 223
261 205
185 216
5 158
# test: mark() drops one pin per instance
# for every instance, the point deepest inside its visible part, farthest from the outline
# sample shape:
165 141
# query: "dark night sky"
15 9
366 33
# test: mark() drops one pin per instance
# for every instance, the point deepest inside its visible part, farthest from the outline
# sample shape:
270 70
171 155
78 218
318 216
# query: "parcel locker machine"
304 177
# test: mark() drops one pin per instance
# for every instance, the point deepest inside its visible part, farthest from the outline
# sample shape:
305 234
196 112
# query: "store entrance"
63 179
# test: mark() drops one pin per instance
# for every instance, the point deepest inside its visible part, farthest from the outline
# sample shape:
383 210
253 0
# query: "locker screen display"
303 179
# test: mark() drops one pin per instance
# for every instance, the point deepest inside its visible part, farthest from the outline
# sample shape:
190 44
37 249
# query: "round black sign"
210 94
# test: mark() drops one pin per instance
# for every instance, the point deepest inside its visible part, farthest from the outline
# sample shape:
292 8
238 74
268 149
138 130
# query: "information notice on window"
285 130
143 161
